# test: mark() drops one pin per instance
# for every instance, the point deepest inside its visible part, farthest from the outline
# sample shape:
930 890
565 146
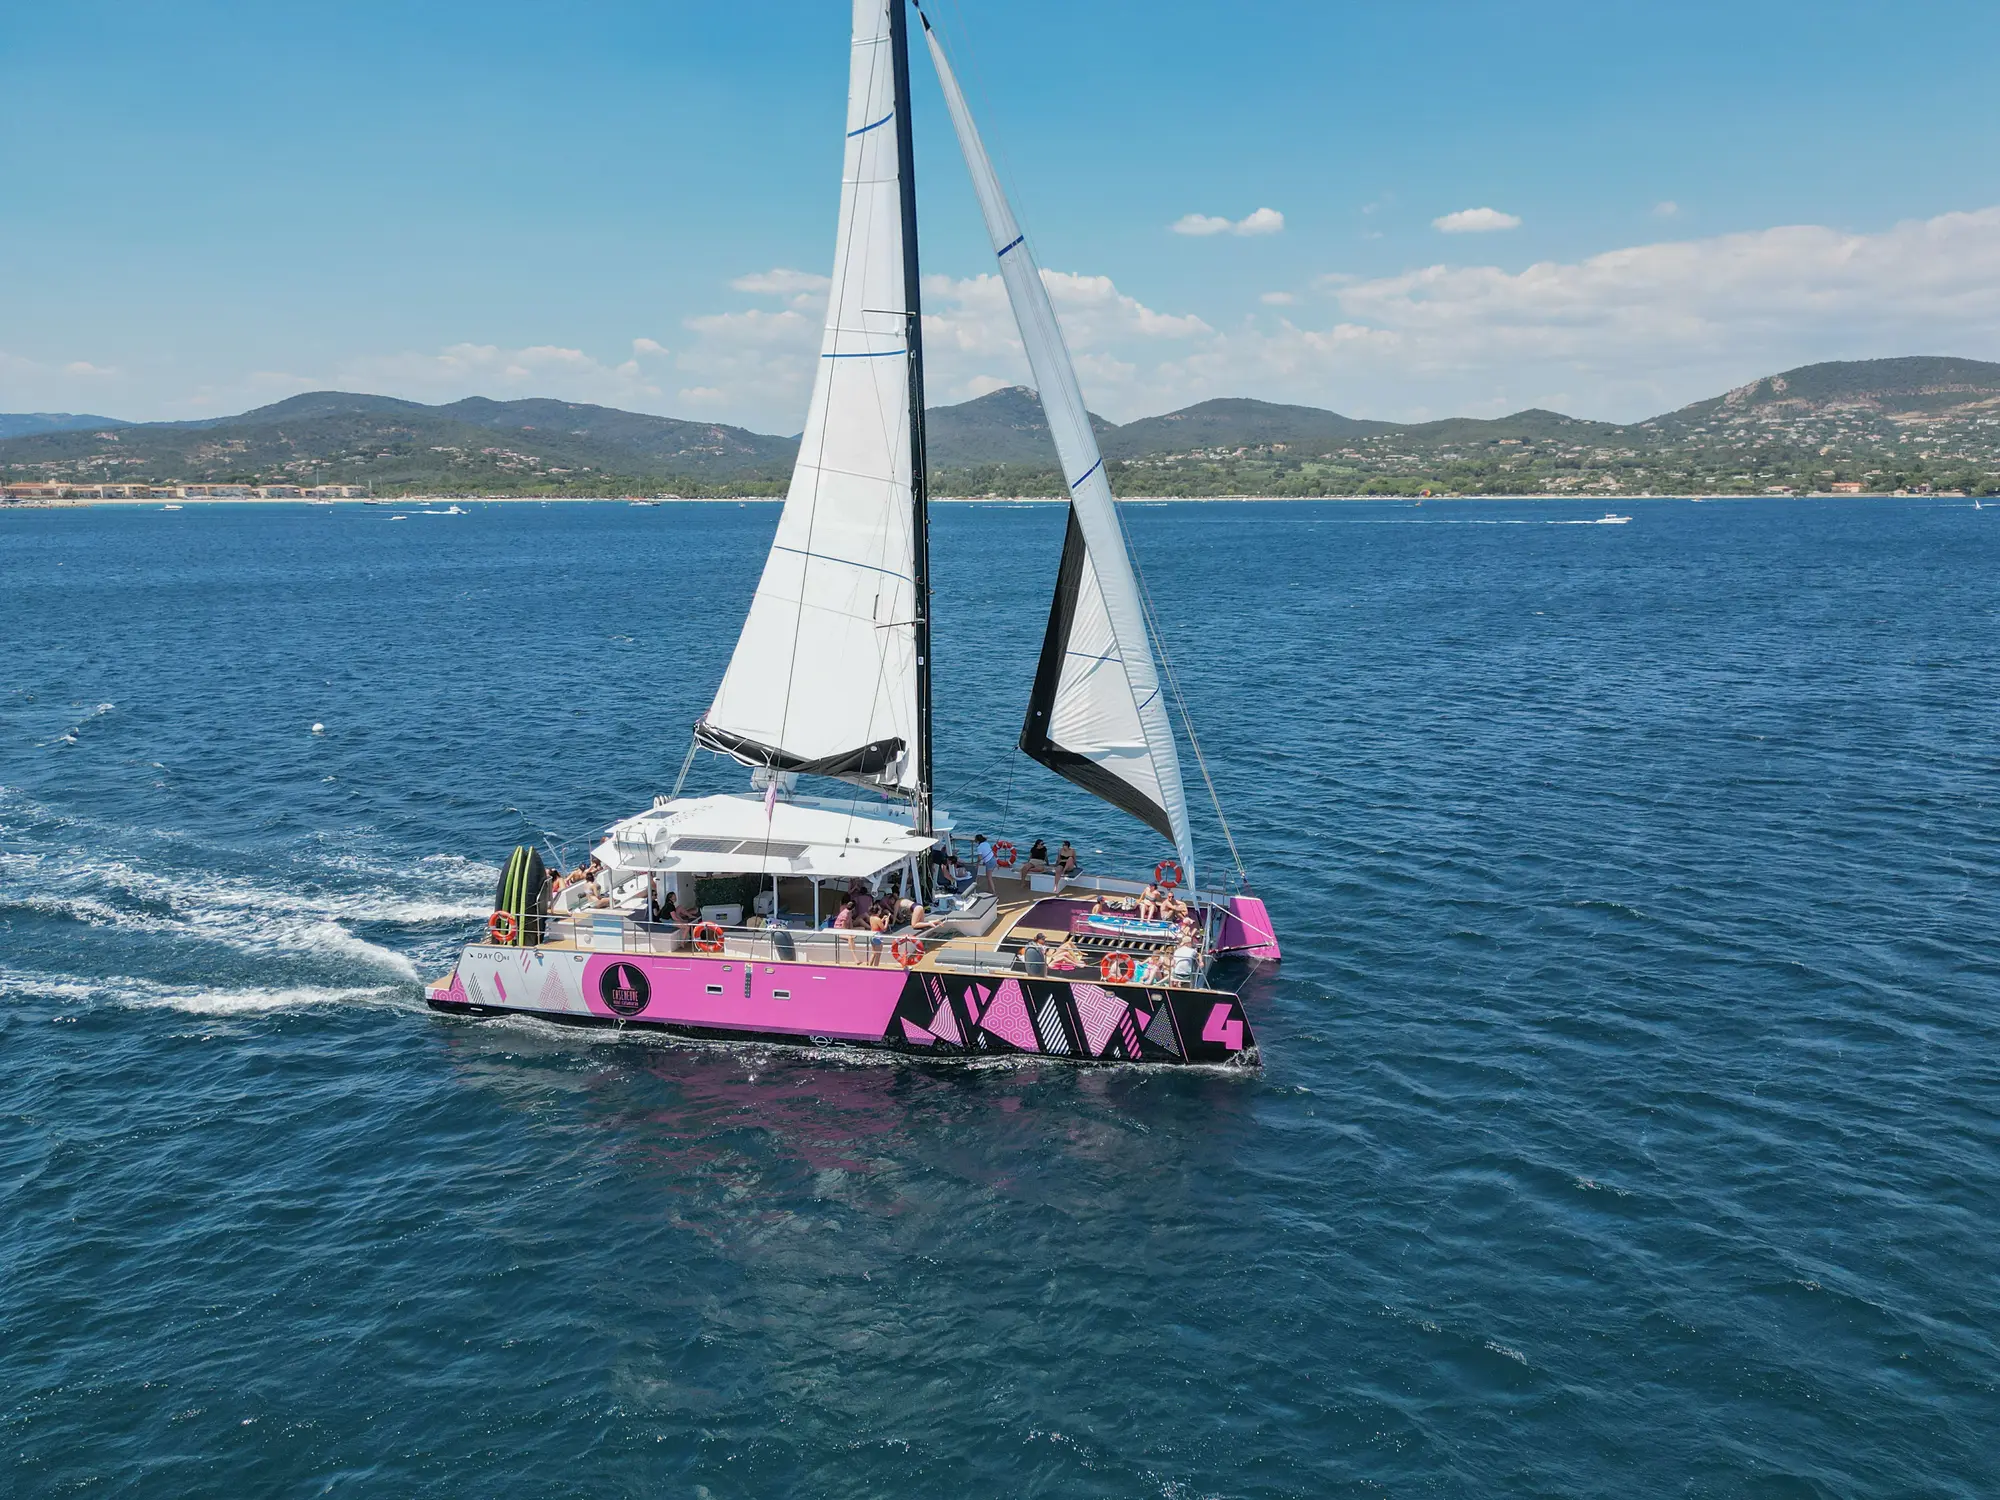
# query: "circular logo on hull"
625 989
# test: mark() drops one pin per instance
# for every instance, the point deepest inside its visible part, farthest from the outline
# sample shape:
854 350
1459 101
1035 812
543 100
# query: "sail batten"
1095 715
825 675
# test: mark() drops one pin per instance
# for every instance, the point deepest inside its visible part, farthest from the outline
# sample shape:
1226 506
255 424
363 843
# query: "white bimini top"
735 834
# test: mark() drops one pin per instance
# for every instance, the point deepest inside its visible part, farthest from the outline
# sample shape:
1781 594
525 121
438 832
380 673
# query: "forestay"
824 676
1096 715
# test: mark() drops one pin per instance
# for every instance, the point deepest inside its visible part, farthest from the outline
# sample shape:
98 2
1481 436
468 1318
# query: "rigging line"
687 761
1187 719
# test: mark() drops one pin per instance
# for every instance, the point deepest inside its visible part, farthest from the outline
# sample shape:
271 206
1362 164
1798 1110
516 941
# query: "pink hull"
938 1014
1247 929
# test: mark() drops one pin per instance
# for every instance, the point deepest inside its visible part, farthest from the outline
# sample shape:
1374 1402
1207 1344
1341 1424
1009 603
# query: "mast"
920 511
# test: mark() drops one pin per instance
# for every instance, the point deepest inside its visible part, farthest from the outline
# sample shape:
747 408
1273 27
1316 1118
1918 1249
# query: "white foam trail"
212 1002
206 1000
238 913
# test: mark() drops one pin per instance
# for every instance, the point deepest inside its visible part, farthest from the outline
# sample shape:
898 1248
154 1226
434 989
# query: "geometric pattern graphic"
555 994
1160 1031
1100 1011
1058 1017
1055 1035
1007 1017
475 991
945 1022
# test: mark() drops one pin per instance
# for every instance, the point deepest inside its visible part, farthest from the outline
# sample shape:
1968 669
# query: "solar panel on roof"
771 849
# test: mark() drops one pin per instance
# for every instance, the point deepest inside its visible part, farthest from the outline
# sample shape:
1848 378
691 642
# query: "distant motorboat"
647 503
170 507
1608 519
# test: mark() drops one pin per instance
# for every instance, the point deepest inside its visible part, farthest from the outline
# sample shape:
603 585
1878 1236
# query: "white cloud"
1201 224
1623 334
782 282
1476 221
1277 299
1261 221
1666 208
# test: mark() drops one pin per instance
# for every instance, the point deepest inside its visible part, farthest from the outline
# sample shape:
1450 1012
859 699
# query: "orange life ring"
906 951
1004 854
502 928
1168 874
1116 968
707 937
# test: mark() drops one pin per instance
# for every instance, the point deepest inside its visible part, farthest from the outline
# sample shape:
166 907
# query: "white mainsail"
824 677
1096 715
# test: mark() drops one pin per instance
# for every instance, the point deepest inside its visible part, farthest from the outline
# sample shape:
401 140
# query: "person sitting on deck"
1034 957
1068 956
1038 859
1065 859
1149 903
1097 906
862 898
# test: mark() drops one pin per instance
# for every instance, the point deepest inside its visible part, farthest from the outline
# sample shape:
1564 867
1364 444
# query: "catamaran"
742 916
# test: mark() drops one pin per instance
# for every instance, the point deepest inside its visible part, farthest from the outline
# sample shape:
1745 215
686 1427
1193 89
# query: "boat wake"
330 920
196 999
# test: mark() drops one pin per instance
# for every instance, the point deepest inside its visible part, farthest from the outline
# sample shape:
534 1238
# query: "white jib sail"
1107 709
824 677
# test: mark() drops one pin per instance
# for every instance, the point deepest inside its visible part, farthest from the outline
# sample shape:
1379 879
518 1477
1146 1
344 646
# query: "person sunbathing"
1068 956
1149 903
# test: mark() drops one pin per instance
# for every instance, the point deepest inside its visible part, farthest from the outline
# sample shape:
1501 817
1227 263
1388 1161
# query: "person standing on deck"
987 860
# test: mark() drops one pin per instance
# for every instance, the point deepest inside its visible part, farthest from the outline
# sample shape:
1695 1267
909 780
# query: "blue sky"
208 206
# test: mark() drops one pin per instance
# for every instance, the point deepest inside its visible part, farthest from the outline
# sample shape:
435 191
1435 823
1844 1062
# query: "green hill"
1003 427
1231 423
472 446
1885 424
22 423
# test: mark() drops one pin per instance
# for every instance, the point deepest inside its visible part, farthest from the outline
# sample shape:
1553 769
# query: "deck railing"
853 948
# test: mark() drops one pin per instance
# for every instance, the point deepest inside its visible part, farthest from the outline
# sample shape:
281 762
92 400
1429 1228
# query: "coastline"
408 502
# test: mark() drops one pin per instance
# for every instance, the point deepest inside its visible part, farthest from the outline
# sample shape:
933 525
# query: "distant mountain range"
20 424
1885 424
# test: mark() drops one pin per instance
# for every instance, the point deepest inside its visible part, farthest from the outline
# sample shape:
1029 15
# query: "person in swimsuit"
844 922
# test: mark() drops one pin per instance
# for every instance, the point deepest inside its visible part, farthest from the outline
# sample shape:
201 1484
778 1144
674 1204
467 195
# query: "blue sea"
1629 1121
